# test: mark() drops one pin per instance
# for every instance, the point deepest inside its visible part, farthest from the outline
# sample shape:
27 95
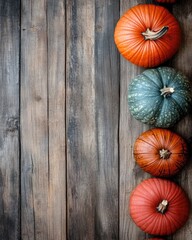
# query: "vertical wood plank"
9 120
92 120
182 62
56 115
130 129
107 119
34 121
80 120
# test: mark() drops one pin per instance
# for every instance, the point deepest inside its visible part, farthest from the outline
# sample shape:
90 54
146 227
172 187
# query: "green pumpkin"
160 97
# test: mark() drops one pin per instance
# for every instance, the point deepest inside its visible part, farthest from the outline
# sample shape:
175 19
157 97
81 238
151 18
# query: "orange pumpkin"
160 152
159 206
147 35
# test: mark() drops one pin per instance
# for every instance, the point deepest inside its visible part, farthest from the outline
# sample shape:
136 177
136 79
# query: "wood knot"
12 124
98 28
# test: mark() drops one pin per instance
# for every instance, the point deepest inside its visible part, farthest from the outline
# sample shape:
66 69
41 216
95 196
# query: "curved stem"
151 35
162 206
164 153
166 91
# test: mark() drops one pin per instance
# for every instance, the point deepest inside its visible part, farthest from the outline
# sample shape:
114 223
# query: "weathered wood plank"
56 115
80 120
34 121
92 120
9 120
182 61
107 119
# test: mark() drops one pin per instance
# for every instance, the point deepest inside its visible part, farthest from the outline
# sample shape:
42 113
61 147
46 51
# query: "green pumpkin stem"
151 35
164 153
162 206
166 91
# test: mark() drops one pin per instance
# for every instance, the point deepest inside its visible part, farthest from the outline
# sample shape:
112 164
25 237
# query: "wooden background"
66 134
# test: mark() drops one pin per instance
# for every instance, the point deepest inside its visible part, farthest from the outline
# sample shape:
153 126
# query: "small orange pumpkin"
160 152
147 35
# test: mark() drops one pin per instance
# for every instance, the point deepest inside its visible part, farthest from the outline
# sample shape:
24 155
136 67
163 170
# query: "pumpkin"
147 35
160 152
159 206
160 97
166 1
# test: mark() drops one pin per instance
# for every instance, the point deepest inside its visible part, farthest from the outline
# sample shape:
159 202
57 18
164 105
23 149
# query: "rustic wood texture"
80 120
92 120
182 61
107 119
56 116
34 121
66 134
9 120
43 173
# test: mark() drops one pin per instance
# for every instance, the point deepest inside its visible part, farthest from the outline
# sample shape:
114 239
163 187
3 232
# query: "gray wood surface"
66 134
56 118
92 120
9 120
34 121
80 120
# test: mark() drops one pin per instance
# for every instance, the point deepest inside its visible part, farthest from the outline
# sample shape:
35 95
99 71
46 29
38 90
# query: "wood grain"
34 121
107 119
56 116
80 120
92 120
9 120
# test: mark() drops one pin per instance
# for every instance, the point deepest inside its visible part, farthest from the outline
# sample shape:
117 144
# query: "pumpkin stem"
167 91
151 35
162 206
164 153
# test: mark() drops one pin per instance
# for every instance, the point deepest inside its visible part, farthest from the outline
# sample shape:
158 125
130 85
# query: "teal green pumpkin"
160 97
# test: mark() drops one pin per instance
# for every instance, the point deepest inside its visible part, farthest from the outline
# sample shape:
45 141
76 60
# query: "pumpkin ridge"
159 69
138 15
164 111
145 74
154 133
176 222
147 142
178 102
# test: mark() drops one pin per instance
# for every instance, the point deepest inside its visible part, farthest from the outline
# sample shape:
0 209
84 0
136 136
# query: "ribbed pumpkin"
160 152
159 206
160 97
147 35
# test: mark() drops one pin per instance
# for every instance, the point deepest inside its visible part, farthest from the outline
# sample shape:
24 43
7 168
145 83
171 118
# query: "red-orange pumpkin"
159 206
147 35
166 1
160 152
